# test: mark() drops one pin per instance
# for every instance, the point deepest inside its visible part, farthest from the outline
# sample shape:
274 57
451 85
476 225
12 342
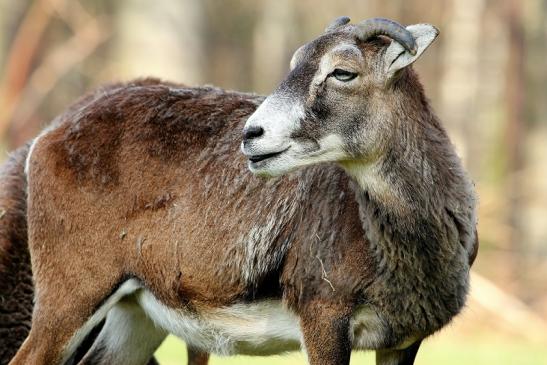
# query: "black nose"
252 132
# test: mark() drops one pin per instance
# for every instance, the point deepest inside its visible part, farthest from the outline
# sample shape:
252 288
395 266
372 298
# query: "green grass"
446 351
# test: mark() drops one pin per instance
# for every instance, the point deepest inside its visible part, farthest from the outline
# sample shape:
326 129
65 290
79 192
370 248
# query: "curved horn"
380 26
338 22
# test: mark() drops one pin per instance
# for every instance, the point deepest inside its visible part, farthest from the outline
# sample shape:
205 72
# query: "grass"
446 350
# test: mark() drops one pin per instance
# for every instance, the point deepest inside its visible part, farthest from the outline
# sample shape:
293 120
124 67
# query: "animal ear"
397 57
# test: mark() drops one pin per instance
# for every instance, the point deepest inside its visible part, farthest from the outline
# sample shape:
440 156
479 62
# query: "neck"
417 211
418 178
416 172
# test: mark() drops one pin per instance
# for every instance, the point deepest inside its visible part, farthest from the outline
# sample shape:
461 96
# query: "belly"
259 328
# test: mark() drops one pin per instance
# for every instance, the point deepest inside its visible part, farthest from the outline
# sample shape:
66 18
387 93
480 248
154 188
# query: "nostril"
252 132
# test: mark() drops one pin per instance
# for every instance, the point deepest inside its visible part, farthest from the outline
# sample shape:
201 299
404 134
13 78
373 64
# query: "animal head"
335 103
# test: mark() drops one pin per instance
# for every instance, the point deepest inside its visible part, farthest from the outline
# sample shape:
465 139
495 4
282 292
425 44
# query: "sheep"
360 235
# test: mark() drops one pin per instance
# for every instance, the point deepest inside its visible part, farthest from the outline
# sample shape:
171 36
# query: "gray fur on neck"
417 208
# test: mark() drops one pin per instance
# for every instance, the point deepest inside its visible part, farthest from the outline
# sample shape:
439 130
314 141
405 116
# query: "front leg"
398 357
325 328
196 357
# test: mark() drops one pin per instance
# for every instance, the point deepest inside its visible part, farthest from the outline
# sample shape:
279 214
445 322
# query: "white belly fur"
260 328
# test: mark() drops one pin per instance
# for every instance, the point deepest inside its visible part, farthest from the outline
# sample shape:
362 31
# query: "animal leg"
64 314
325 328
128 337
196 357
398 357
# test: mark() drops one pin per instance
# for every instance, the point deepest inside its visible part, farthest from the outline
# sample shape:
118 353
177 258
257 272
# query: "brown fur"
146 181
16 287
168 265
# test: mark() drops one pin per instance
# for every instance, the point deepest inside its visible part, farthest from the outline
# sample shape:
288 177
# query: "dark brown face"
329 107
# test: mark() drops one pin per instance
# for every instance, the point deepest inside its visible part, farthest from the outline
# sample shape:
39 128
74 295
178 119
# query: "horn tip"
336 23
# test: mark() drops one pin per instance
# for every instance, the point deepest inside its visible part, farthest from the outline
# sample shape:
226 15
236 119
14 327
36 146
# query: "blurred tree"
272 38
515 132
459 81
158 38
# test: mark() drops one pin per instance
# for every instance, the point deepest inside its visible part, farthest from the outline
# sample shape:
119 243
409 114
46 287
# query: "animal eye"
343 75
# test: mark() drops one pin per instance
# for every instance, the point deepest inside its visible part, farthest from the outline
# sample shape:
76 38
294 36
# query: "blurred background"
486 77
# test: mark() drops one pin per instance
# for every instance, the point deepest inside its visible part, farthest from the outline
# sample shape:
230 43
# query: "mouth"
259 158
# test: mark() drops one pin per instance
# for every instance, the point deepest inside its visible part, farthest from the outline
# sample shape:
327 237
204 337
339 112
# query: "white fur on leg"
128 287
128 337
